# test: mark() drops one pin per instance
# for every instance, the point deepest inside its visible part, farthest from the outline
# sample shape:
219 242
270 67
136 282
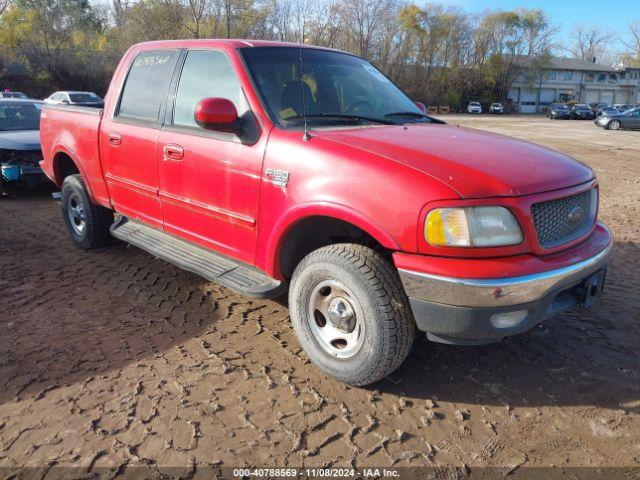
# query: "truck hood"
20 140
473 163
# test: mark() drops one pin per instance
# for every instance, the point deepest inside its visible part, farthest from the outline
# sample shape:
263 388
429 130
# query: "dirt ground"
111 359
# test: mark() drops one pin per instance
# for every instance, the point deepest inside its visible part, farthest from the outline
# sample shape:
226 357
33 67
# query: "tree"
589 43
632 42
3 6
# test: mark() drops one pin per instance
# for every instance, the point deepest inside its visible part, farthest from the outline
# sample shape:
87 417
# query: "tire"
614 125
87 223
368 287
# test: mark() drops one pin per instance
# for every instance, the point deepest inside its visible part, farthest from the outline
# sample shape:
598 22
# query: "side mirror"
217 114
421 106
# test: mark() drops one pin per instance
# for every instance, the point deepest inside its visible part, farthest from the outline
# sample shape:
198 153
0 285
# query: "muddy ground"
114 359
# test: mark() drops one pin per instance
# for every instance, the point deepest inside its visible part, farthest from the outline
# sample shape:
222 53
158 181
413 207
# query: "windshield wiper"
341 116
406 114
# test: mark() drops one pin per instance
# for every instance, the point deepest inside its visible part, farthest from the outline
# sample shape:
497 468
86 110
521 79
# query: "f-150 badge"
277 177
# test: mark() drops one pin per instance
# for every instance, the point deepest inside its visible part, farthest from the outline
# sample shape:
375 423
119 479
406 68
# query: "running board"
235 275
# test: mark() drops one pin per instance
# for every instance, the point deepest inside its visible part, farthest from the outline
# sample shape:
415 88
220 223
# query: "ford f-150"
270 167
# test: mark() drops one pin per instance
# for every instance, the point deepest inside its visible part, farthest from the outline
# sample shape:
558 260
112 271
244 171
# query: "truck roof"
229 42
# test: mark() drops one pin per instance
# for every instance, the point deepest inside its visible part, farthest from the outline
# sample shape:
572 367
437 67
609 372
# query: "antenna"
305 136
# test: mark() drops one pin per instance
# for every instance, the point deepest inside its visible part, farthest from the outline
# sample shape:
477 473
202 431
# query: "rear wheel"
350 313
87 223
614 125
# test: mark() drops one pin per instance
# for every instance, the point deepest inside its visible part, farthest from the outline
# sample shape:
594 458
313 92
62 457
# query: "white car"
496 107
82 99
474 107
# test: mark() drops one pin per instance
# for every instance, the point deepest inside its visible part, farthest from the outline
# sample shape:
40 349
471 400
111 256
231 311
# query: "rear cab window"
146 85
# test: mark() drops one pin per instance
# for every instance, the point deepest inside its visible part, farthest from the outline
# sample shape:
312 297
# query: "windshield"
582 107
336 88
19 116
474 104
559 106
14 95
84 97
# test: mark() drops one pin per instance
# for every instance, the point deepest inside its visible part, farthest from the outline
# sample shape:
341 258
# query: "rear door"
209 181
128 139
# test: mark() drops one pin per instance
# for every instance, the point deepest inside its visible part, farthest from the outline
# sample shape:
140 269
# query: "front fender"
291 217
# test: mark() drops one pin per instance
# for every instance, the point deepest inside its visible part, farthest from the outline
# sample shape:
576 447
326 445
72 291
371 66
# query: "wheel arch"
311 226
64 164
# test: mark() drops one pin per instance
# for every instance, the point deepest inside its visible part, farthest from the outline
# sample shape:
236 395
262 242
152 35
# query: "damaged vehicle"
20 151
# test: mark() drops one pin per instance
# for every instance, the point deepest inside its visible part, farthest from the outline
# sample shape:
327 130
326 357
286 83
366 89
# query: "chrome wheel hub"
336 319
77 214
341 314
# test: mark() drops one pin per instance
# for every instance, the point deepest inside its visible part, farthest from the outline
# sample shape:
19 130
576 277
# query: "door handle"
172 152
115 138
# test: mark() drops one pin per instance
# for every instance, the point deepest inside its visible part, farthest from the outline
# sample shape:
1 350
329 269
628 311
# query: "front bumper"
465 311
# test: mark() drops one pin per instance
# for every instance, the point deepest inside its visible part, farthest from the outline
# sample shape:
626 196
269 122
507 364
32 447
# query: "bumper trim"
498 292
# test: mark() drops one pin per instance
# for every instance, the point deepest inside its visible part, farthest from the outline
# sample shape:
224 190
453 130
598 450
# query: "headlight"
472 227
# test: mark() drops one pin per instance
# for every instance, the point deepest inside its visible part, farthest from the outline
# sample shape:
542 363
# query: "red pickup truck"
267 166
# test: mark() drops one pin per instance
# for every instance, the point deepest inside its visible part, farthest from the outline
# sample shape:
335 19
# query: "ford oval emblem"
577 215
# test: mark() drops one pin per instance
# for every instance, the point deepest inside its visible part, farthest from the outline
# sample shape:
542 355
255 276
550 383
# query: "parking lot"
111 359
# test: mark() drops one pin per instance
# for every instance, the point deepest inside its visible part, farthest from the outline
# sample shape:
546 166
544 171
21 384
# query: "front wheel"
350 313
614 125
87 223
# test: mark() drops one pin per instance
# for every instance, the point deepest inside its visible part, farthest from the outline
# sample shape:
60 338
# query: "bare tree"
632 42
589 43
120 9
362 21
196 9
3 6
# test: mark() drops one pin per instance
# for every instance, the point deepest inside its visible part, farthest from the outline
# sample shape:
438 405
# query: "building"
562 79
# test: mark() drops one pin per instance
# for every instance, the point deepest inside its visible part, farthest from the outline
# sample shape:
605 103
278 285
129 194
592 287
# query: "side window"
205 74
145 85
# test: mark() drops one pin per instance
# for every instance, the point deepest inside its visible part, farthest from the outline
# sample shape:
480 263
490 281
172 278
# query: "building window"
602 77
551 75
613 78
568 75
591 77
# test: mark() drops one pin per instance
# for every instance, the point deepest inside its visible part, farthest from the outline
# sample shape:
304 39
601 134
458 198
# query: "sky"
611 16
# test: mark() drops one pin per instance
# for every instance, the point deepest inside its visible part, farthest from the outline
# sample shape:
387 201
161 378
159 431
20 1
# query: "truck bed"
73 131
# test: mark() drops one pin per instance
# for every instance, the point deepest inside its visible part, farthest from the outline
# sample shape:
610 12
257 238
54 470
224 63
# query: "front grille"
564 219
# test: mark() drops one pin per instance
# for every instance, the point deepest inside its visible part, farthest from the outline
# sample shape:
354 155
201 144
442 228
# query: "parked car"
474 107
10 94
615 121
558 111
20 143
377 219
496 108
606 109
581 111
623 107
81 99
